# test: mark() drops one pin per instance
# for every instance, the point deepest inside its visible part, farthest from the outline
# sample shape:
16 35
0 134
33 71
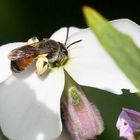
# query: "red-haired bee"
47 53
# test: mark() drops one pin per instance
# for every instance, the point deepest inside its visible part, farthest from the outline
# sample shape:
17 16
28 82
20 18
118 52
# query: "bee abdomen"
15 67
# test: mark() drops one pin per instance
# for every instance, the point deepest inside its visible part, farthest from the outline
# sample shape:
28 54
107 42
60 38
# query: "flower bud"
82 119
129 124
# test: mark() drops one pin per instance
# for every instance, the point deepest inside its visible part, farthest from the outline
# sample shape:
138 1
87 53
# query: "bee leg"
32 40
41 65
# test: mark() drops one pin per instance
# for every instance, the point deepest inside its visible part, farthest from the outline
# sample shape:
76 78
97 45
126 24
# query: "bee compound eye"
65 51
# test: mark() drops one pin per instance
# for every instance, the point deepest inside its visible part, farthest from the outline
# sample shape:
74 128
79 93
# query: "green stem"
70 83
72 89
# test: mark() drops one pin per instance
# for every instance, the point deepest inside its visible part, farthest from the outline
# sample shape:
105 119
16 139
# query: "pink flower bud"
129 124
82 119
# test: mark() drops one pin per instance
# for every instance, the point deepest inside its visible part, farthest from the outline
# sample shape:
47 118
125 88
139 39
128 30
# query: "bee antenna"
67 35
74 43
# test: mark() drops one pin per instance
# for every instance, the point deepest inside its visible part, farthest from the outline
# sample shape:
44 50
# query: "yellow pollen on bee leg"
32 40
41 64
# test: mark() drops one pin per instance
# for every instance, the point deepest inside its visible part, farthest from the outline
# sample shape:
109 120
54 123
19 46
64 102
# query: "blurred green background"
22 19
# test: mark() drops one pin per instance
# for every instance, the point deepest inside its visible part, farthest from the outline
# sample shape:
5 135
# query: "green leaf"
119 45
2 137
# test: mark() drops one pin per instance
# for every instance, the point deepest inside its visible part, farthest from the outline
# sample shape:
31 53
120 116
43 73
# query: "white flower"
30 105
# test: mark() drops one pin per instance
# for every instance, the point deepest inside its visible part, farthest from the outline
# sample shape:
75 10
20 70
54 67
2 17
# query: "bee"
47 53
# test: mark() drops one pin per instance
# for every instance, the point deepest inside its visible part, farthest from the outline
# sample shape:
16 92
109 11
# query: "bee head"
58 53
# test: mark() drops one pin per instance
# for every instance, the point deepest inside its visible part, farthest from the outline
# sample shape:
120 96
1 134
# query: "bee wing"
5 71
22 57
23 53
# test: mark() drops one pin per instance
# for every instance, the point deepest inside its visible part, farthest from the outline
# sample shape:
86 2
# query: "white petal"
129 27
30 106
90 65
5 70
61 34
